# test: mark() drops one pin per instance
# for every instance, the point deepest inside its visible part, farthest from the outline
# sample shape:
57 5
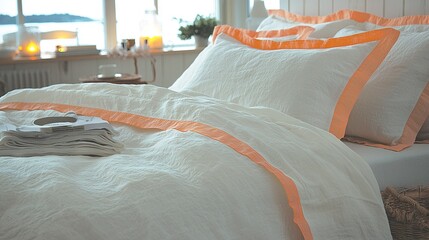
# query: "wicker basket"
408 212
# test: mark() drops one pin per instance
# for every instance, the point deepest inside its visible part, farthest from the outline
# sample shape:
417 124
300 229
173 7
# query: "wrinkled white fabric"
294 81
321 30
387 101
182 185
424 132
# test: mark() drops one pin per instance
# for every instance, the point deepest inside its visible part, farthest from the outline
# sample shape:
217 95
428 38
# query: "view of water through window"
81 16
86 18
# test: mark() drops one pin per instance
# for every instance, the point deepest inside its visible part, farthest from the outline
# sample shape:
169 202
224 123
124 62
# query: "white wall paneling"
386 8
340 4
427 7
234 12
173 68
414 7
82 69
359 5
284 4
297 7
189 59
375 7
311 7
161 77
395 8
326 7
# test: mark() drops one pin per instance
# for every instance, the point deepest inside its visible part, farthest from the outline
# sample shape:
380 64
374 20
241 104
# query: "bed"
407 168
249 143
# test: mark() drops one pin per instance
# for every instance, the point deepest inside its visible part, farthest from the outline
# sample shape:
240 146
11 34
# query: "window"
272 4
269 4
129 13
8 12
50 15
128 16
169 13
86 17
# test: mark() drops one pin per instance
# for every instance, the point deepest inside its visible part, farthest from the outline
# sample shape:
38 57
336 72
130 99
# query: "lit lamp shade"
151 30
28 41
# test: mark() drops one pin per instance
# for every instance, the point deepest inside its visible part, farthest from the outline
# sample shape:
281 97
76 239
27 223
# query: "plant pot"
201 42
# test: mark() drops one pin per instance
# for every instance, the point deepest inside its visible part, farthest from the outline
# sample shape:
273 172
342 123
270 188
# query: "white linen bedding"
179 184
408 168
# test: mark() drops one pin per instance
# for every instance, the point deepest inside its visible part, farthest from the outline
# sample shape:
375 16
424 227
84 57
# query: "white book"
81 48
77 53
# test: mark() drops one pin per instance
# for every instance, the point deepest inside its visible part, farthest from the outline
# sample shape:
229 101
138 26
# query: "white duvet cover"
181 184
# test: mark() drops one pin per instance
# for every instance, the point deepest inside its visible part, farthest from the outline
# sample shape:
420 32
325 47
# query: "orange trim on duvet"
183 126
353 15
385 39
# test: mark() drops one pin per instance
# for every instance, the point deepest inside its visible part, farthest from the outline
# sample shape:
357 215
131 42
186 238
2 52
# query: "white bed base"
386 8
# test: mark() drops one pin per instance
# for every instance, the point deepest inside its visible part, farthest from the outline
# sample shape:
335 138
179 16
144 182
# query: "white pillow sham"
317 84
321 30
403 28
294 33
328 26
391 108
364 22
423 135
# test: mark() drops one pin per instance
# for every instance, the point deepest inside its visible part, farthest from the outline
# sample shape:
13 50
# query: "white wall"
386 8
169 66
234 12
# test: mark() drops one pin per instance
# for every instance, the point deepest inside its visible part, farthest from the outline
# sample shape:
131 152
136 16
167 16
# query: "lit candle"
153 42
29 49
32 49
29 39
151 29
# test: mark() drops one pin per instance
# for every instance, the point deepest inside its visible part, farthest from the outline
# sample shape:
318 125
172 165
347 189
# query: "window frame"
233 12
109 14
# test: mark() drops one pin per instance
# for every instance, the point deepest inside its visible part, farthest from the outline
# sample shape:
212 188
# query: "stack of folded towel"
67 135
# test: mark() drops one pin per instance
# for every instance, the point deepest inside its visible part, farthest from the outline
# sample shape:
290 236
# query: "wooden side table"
124 78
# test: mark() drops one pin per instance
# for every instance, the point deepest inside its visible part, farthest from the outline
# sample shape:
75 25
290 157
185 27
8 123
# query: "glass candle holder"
151 30
28 41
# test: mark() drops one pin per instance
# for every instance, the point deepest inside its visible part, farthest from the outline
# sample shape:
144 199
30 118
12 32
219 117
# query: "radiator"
10 80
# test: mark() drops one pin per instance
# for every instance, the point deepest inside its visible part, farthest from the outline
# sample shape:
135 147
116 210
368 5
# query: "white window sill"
103 54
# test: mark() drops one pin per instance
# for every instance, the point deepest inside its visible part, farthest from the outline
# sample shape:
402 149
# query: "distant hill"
6 19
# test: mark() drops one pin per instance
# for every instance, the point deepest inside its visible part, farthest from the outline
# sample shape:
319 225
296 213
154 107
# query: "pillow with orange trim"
316 81
407 24
368 20
328 26
394 104
321 30
391 108
298 32
423 136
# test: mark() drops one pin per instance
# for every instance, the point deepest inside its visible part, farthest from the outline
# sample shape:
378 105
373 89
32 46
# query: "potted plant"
201 29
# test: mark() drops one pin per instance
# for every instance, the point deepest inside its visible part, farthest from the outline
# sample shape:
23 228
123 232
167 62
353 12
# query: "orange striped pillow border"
353 15
385 39
302 32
